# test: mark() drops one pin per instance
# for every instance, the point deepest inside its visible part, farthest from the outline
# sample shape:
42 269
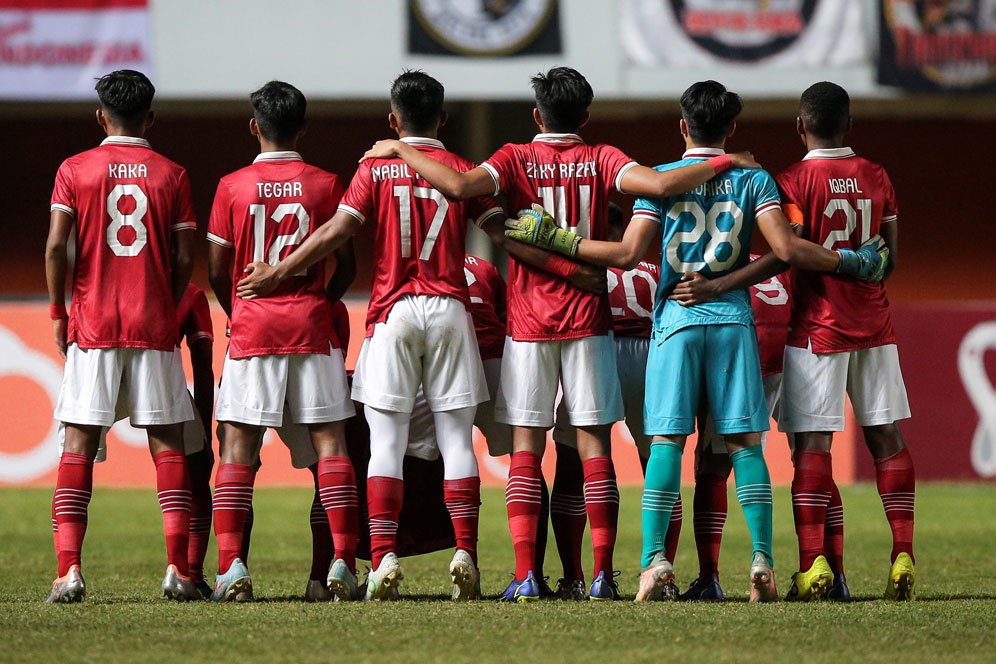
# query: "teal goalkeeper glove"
867 263
535 226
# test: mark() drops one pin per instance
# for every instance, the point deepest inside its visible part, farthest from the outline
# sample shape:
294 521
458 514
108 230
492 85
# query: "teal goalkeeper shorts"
719 362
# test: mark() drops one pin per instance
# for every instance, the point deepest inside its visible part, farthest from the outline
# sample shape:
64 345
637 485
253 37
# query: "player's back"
420 235
127 200
772 303
631 299
841 200
263 212
487 305
572 180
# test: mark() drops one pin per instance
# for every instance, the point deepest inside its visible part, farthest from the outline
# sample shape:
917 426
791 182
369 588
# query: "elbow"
218 279
629 259
786 252
55 250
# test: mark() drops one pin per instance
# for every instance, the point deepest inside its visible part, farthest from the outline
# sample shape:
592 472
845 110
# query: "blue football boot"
703 591
603 589
527 590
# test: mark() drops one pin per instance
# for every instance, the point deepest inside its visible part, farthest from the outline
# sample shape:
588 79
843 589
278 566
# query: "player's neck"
113 131
816 143
272 146
693 145
434 135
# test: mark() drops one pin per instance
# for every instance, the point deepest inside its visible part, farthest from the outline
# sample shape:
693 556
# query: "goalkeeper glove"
867 263
535 226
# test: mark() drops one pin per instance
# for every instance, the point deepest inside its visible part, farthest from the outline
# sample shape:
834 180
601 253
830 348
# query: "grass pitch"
953 619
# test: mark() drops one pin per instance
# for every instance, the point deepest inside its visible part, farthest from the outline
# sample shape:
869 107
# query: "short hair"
709 111
418 99
279 109
126 96
616 217
563 96
825 109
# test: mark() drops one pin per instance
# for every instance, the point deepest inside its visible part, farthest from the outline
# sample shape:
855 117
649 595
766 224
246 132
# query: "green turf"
953 619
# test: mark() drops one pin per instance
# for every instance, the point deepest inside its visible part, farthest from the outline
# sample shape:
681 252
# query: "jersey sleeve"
220 224
647 208
358 199
197 323
482 208
765 193
501 166
890 210
790 202
64 193
613 164
338 191
185 218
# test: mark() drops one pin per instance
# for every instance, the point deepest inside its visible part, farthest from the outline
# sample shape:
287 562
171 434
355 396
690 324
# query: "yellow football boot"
811 584
901 583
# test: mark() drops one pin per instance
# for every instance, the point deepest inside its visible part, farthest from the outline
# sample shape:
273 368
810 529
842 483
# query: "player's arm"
627 253
889 230
182 262
451 183
60 225
643 181
201 361
792 249
345 272
220 275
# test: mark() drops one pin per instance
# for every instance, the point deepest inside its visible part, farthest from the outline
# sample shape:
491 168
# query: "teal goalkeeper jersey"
707 230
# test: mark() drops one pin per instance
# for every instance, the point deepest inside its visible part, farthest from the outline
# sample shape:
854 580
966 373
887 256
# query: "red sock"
833 531
385 496
896 482
463 502
673 532
601 498
73 489
321 536
568 512
810 496
55 529
522 499
173 486
200 517
710 507
232 502
337 489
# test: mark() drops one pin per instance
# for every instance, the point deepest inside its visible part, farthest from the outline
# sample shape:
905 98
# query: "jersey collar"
704 153
279 155
557 138
419 140
830 153
125 140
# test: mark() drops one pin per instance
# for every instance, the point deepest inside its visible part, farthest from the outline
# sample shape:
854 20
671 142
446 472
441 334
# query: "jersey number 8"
132 219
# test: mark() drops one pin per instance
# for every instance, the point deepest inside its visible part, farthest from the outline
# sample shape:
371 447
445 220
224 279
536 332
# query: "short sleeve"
890 208
613 164
502 167
765 193
220 224
358 199
647 208
338 191
482 208
790 202
64 193
197 323
185 218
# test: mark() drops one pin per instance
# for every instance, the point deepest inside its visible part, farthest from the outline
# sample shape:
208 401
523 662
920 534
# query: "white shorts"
309 388
631 365
585 368
815 385
772 396
426 340
151 380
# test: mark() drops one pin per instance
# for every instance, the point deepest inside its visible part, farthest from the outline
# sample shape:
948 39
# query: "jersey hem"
320 349
564 336
827 349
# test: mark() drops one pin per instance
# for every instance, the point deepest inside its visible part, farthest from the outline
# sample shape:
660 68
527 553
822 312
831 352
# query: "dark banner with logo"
933 46
484 28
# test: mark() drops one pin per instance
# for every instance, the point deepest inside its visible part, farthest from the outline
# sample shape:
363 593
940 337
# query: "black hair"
279 109
563 96
709 111
418 99
825 109
616 217
126 96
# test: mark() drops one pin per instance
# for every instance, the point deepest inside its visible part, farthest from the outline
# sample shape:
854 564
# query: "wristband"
721 163
560 266
57 312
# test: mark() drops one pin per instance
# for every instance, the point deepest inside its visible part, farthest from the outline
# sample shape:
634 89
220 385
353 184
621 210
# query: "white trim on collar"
830 153
126 140
703 152
419 140
557 138
278 155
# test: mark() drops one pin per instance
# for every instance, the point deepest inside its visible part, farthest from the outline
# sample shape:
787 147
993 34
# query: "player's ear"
253 127
150 119
443 117
394 122
733 128
584 119
301 133
537 118
683 128
102 119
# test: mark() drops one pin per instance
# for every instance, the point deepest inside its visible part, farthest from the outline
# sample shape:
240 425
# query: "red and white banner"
54 49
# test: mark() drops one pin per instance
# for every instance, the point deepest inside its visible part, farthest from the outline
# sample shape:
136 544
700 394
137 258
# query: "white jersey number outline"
271 255
133 220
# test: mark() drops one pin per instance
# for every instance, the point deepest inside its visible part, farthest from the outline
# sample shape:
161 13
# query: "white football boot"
343 584
69 588
383 581
466 577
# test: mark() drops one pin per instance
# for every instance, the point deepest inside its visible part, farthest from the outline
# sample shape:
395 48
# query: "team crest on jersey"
743 29
484 27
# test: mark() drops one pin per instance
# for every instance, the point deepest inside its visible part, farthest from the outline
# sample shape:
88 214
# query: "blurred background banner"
938 45
483 28
769 33
53 49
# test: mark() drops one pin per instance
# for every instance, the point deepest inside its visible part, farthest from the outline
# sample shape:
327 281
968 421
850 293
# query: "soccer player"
709 349
131 212
558 335
281 362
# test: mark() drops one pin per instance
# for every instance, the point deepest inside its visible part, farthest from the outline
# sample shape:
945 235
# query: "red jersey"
340 326
487 305
420 236
263 212
631 299
127 201
771 302
572 181
840 200
194 316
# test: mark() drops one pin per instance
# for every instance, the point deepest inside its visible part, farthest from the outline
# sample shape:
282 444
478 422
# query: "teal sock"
754 494
660 492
